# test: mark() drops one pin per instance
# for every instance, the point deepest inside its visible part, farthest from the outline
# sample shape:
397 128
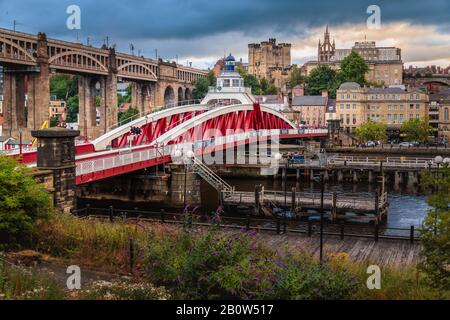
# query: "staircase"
212 178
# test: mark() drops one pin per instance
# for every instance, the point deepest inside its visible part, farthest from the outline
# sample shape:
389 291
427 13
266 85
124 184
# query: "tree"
22 202
417 130
371 131
127 116
320 79
295 78
62 87
72 109
202 85
268 88
353 69
435 232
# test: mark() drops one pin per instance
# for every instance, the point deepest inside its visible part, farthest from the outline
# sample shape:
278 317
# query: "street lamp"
322 193
438 160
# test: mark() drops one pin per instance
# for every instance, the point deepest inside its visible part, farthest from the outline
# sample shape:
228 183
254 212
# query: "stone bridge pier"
18 81
143 96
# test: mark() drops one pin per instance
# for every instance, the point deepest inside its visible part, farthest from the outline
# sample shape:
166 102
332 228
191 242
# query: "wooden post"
163 220
412 234
257 200
342 229
248 222
377 232
131 255
111 214
278 225
334 209
88 210
309 228
293 208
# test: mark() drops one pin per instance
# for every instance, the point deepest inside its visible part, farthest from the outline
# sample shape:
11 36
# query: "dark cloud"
139 21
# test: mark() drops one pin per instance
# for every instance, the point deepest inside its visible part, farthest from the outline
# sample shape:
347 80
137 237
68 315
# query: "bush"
22 202
209 265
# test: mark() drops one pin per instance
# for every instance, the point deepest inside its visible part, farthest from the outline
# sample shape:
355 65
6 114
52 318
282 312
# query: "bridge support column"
398 179
340 176
56 152
143 96
184 183
371 177
413 179
326 176
87 110
355 176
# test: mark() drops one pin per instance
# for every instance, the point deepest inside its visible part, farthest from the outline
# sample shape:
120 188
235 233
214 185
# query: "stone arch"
180 95
169 96
188 94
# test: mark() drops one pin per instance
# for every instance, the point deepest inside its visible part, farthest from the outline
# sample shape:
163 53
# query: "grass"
19 283
164 255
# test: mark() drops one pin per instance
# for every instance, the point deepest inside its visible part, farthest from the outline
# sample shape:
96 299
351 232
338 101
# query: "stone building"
393 106
385 63
271 61
311 109
439 115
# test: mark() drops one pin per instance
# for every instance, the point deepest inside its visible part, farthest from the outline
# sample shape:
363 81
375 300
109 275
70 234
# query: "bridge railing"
388 162
161 108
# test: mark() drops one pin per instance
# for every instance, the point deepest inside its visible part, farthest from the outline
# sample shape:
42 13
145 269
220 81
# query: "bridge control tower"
230 87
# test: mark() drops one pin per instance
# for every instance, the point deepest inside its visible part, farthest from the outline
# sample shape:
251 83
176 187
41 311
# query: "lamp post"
438 160
187 159
322 193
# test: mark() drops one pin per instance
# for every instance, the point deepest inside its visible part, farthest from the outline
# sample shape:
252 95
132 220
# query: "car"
406 145
370 144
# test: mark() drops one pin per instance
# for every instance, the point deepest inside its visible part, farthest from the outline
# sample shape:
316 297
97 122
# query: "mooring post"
334 209
131 255
412 234
111 214
293 199
248 222
257 200
342 229
278 225
377 231
309 228
163 220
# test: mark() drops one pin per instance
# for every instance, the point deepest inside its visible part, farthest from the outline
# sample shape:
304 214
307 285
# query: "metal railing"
278 225
387 162
211 177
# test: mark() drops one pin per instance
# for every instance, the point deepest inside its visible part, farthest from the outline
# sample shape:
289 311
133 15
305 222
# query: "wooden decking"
384 253
305 201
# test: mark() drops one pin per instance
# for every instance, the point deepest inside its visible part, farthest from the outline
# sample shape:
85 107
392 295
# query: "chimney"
325 93
298 91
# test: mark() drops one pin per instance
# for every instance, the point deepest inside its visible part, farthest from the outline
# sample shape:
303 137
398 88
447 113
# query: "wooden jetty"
336 204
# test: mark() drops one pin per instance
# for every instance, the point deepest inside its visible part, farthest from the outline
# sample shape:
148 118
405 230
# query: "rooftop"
309 101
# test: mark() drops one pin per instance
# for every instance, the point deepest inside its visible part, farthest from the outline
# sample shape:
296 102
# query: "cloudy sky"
201 31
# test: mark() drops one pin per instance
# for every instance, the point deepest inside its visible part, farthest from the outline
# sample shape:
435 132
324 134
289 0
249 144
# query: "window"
354 119
446 114
226 83
395 118
348 106
342 107
235 83
354 106
389 118
348 119
402 118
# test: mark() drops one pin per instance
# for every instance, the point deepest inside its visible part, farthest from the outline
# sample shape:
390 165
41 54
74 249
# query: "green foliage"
127 116
72 109
435 232
417 130
322 78
53 122
22 202
17 283
202 85
268 88
353 69
208 265
62 87
296 78
371 131
66 89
